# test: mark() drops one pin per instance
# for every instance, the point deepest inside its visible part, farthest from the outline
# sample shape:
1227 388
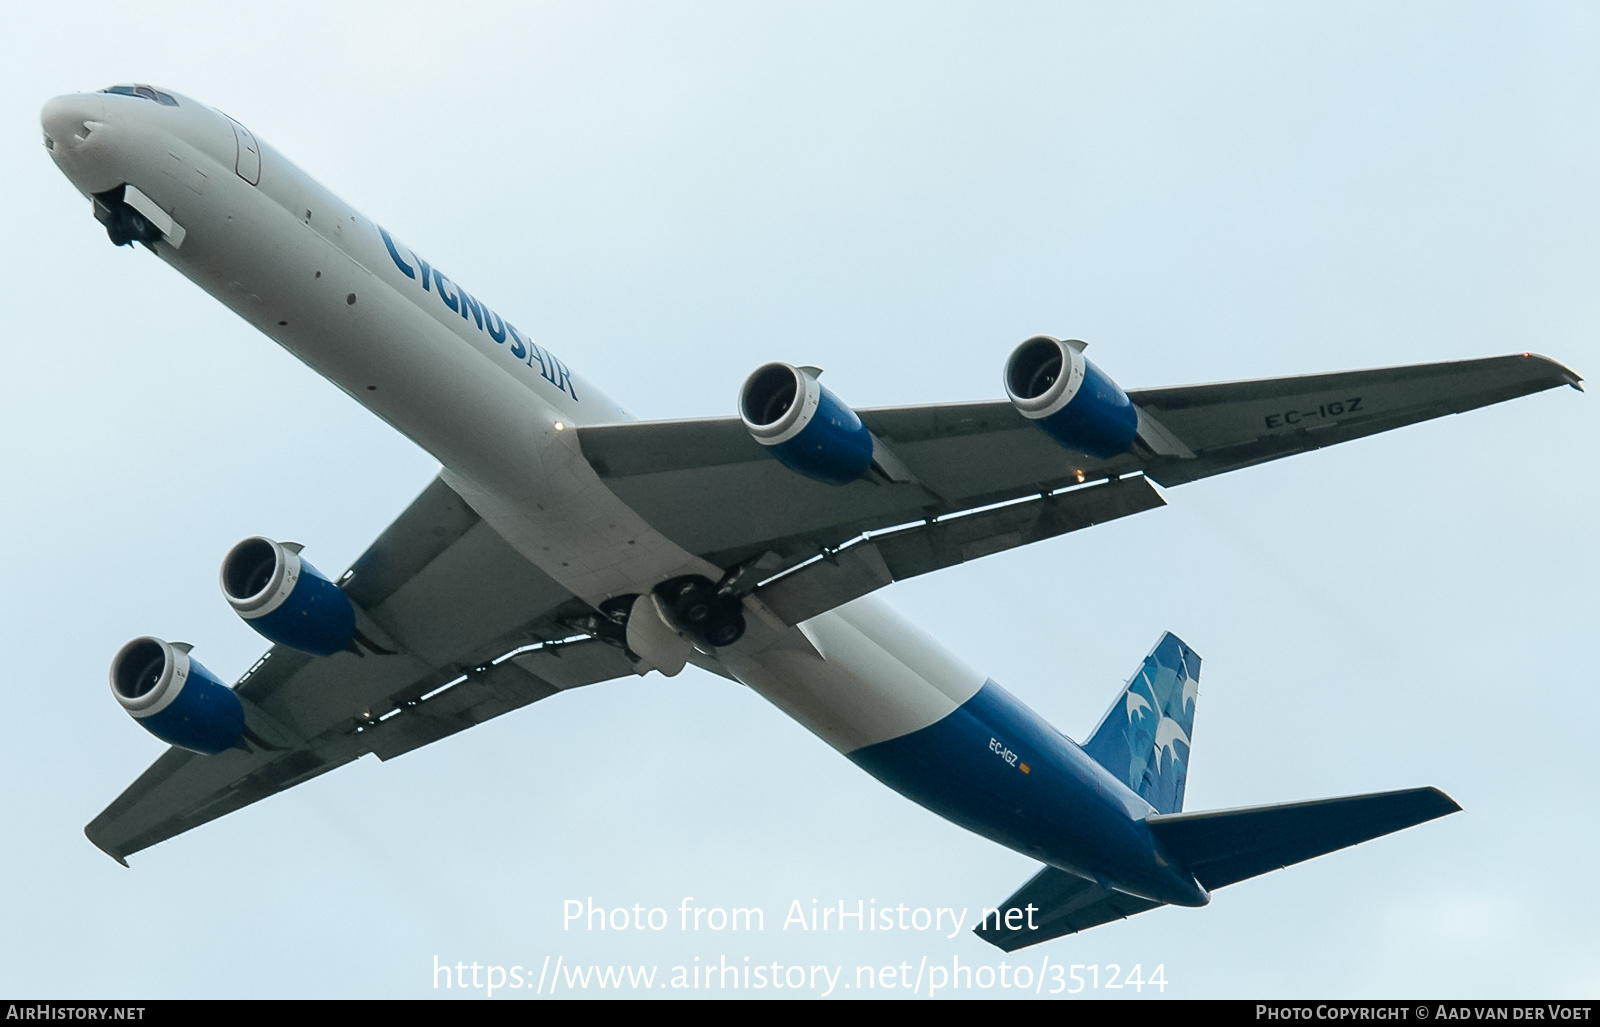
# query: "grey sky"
668 195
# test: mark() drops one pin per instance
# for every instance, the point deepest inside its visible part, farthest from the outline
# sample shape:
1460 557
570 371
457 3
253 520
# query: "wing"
1237 424
476 631
709 486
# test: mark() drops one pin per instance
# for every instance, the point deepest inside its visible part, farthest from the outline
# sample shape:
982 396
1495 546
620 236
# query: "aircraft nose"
68 120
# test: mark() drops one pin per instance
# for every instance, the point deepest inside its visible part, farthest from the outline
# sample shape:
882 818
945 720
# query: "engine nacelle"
286 599
1053 384
175 698
804 425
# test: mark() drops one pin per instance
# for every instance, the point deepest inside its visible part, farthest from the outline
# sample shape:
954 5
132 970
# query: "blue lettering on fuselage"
459 301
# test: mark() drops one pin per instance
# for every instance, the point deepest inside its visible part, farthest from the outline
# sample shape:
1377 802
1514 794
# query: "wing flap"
572 666
874 562
961 457
1223 847
479 697
731 512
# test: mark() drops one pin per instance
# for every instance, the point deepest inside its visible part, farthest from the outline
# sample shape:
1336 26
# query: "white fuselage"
375 318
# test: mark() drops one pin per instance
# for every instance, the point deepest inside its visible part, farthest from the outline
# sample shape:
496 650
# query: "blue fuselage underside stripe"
1063 809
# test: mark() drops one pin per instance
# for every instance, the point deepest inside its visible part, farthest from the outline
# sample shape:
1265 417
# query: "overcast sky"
667 195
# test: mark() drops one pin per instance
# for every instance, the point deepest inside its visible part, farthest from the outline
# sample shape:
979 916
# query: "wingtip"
119 857
1447 805
1567 375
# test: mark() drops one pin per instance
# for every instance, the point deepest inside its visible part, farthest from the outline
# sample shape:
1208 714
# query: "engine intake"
806 427
1054 385
286 599
175 698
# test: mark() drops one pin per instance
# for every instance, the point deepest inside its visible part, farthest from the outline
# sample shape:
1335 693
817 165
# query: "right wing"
476 631
710 487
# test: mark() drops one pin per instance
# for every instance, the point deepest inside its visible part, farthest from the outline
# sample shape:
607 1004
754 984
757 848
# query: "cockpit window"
165 99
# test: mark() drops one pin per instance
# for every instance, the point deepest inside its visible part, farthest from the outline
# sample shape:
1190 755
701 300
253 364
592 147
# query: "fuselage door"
248 162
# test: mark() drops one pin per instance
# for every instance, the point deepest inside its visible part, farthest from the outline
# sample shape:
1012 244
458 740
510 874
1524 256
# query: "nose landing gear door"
248 162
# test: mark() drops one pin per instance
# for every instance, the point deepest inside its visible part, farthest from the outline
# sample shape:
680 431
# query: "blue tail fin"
1144 738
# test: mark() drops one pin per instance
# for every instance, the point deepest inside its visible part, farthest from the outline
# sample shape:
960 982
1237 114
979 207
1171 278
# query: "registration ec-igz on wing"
565 544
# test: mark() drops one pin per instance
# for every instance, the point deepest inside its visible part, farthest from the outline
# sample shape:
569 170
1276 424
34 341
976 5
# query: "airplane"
564 543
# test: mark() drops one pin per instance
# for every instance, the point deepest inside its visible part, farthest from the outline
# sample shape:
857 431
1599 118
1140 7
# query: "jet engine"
1054 385
286 599
804 425
174 698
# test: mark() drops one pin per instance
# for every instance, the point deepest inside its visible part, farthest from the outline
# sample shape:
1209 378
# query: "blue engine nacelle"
175 698
804 425
1054 385
286 599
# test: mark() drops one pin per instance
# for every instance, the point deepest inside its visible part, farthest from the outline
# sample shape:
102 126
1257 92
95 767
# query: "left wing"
710 487
475 631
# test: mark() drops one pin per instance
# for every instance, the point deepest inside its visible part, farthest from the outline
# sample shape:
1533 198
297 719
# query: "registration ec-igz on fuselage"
565 543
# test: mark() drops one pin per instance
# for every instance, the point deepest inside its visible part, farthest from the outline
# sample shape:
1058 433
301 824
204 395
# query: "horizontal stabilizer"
1222 847
1062 903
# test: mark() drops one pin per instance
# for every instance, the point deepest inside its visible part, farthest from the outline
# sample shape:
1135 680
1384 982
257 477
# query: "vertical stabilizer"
1144 737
